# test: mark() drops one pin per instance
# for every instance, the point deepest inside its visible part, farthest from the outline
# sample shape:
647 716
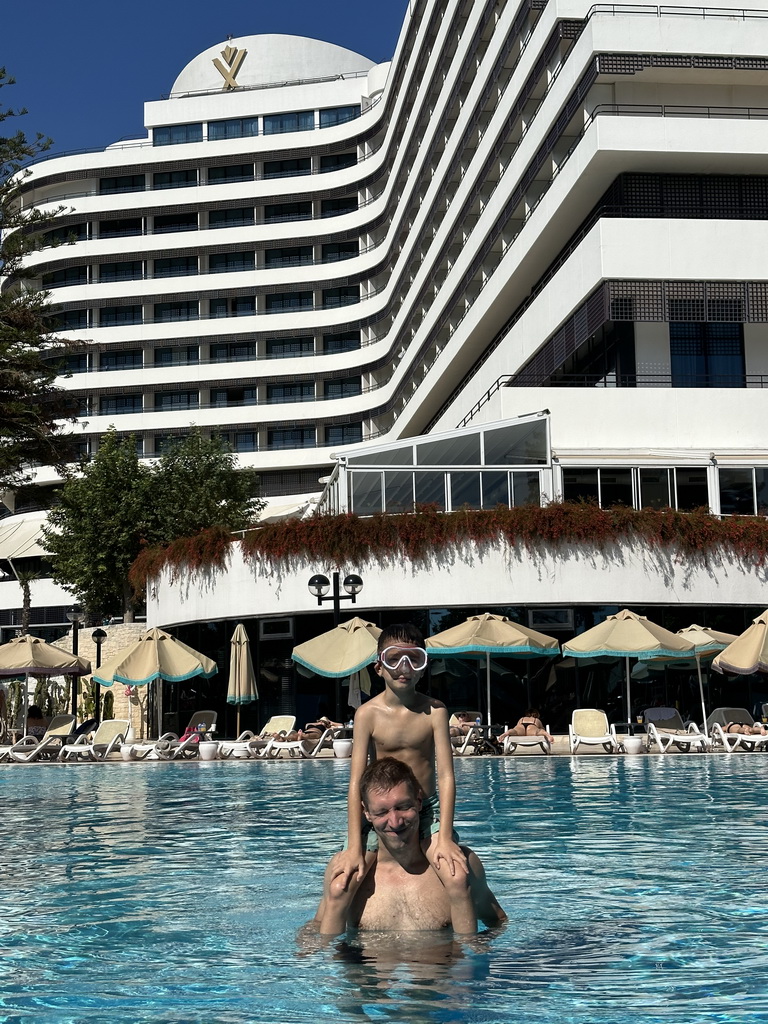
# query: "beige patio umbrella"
242 679
155 655
487 634
628 635
748 653
342 651
30 656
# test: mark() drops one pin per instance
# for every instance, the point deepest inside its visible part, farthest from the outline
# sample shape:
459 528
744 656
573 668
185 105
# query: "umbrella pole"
488 684
159 706
26 703
701 692
629 699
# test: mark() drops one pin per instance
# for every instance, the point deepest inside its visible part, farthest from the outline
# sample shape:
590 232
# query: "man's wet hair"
400 633
382 775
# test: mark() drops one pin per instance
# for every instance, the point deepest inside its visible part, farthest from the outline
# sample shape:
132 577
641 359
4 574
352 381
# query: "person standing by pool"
413 727
400 891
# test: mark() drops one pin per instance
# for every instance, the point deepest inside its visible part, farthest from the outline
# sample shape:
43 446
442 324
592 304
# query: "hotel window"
706 355
245 306
63 236
122 183
76 364
128 359
348 433
232 352
115 316
180 309
165 400
233 396
116 405
691 491
298 121
606 487
234 128
367 493
335 251
293 256
277 213
337 161
230 218
229 173
220 263
348 341
181 355
347 295
294 437
344 388
166 442
72 320
287 168
654 486
121 228
338 115
174 179
288 302
283 348
64 278
177 133
301 392
176 266
167 222
246 441
130 270
338 207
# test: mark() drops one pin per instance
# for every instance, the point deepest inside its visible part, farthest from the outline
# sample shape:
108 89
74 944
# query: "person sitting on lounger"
464 723
529 725
37 723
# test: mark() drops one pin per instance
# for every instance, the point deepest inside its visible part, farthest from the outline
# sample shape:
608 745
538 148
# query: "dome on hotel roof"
252 61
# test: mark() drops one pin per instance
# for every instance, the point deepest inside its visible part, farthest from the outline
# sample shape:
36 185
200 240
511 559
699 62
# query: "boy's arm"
351 863
445 848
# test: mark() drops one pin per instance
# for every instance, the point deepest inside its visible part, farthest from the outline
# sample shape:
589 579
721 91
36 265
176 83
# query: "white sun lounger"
109 736
666 728
30 748
471 741
170 746
589 726
306 747
718 723
250 744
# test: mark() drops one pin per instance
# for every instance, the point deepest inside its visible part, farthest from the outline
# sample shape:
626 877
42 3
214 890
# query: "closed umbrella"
242 679
342 651
154 655
748 653
487 634
706 644
30 656
628 635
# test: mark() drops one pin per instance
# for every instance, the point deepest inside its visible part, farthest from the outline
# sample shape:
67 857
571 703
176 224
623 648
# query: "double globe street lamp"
319 586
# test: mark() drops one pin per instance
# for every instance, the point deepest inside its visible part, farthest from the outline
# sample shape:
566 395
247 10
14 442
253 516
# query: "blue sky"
84 70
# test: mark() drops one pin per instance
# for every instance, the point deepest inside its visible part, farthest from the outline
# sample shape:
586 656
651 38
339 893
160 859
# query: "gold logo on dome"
233 60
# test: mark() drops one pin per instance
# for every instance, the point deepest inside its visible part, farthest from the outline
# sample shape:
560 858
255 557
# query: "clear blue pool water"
636 889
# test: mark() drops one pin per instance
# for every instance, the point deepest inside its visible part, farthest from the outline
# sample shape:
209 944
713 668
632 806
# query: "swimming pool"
158 893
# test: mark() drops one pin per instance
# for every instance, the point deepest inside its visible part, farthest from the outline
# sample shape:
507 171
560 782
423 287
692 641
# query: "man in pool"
400 891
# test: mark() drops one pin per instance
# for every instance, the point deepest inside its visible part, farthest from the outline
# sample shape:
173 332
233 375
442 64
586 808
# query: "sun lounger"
590 727
731 740
250 744
665 728
30 748
170 746
305 747
511 743
109 737
473 740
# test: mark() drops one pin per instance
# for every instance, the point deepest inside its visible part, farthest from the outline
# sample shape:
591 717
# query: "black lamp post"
98 636
319 586
75 616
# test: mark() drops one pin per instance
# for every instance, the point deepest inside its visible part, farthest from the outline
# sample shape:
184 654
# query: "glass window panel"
430 489
580 485
131 270
295 437
333 252
402 456
526 488
233 351
282 348
615 487
246 441
519 445
292 256
347 295
287 301
181 355
177 133
220 263
338 207
452 451
168 222
176 266
120 228
338 115
367 498
654 488
336 161
398 491
230 218
495 489
342 388
692 491
275 213
231 172
297 121
116 404
346 342
64 236
176 400
174 179
122 183
304 391
287 168
63 278
465 490
126 360
737 493
234 128
346 433
113 316
166 312
761 491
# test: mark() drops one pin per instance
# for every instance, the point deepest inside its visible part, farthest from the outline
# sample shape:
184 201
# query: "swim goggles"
393 657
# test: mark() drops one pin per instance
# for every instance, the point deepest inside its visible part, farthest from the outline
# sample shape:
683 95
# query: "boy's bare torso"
407 734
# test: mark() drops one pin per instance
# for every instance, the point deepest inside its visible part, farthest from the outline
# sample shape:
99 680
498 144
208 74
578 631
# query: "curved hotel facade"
545 218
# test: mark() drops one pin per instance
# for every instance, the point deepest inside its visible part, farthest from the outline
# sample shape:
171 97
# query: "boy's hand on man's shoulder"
351 865
447 854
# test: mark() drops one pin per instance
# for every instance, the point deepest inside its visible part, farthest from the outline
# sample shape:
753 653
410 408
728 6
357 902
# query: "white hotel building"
545 215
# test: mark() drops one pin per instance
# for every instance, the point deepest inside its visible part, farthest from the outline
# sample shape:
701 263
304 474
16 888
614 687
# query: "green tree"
97 529
197 485
32 409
